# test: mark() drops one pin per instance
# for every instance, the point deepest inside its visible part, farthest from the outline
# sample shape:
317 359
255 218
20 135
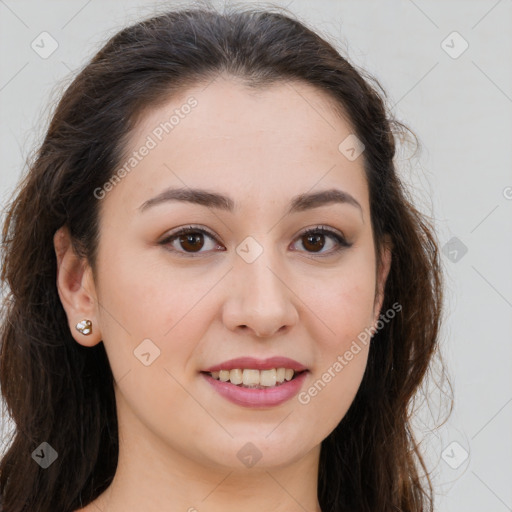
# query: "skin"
179 438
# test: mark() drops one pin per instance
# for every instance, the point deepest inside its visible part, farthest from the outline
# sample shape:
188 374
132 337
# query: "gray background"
460 107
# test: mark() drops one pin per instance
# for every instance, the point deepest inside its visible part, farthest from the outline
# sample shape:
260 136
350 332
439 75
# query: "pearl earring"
84 327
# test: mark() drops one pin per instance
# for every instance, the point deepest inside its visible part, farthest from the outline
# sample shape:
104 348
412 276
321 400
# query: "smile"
252 378
259 383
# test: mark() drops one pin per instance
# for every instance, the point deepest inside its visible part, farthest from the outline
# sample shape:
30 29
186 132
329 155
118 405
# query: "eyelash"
339 239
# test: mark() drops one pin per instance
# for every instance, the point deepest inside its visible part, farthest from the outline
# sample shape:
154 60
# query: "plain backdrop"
447 69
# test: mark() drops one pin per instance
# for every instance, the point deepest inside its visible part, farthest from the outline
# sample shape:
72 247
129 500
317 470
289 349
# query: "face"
244 280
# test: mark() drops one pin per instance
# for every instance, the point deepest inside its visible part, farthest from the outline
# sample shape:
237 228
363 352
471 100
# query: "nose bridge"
254 267
262 300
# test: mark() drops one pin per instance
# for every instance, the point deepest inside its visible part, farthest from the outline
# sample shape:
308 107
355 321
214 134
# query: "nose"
259 298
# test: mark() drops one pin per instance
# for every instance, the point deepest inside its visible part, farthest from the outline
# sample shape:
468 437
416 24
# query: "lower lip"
251 397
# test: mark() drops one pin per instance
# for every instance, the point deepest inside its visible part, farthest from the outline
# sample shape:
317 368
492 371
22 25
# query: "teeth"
268 377
251 377
236 376
254 378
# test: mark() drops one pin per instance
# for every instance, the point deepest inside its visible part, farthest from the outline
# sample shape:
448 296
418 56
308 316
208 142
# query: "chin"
259 451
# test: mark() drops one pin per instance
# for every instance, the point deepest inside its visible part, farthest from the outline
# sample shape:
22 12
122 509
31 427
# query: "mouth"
255 379
260 383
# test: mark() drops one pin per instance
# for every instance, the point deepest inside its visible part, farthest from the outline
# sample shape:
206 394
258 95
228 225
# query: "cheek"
341 351
151 307
331 390
150 322
342 302
148 296
343 315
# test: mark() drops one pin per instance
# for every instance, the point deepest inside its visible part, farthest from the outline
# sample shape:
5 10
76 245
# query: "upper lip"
257 364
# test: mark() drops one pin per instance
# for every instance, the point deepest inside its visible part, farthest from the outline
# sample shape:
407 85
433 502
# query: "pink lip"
248 397
257 364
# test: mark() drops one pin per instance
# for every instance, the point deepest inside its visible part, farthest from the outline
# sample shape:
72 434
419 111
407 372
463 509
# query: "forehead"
268 143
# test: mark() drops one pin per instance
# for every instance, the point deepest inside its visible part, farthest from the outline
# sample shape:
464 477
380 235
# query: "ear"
76 288
382 275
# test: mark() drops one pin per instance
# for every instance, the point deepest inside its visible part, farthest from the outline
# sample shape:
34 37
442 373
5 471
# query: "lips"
259 383
257 397
251 363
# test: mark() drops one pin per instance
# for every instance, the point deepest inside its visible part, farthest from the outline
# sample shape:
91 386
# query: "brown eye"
314 240
190 241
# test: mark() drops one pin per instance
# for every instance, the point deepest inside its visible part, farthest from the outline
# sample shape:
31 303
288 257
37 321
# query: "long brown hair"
60 392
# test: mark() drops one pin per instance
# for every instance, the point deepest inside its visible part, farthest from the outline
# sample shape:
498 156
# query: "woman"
220 295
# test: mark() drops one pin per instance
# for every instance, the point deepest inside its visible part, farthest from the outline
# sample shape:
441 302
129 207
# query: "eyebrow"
210 199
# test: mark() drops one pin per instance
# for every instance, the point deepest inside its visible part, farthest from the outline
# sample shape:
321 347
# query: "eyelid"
191 227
